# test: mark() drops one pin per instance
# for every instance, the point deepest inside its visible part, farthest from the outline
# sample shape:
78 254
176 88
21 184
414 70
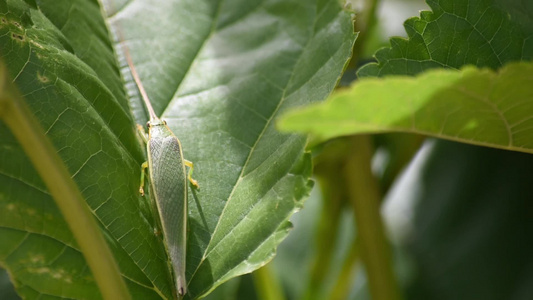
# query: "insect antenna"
140 86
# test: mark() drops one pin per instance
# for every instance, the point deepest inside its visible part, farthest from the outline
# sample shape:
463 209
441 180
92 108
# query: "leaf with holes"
220 73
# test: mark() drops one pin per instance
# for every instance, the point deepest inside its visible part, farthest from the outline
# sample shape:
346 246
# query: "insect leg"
143 171
189 175
142 133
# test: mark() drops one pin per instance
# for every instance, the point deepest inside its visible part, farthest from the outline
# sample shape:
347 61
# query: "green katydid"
166 168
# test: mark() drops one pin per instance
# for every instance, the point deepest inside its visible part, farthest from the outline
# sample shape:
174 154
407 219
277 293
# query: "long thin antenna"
135 75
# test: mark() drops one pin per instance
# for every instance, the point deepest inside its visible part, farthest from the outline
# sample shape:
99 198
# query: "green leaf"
61 186
220 73
92 130
485 33
472 106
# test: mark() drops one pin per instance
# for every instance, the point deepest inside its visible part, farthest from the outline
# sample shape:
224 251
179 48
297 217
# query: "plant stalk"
267 285
365 197
327 171
345 279
365 23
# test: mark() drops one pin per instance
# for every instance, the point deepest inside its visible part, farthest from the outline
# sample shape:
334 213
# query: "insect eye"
148 124
164 122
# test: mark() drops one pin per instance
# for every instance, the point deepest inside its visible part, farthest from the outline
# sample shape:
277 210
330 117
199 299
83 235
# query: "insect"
168 179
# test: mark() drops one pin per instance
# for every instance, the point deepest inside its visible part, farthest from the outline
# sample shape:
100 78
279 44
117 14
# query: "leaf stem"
365 197
267 285
27 130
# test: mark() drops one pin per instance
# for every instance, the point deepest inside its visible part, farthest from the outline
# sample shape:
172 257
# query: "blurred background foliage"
459 218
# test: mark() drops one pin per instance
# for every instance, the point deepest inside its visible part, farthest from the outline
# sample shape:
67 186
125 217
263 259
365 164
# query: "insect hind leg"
143 171
189 174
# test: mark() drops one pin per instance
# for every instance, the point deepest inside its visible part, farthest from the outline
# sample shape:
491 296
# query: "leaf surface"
473 106
230 68
79 102
484 33
220 73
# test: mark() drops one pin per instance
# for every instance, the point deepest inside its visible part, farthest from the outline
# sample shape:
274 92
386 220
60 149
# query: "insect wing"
168 178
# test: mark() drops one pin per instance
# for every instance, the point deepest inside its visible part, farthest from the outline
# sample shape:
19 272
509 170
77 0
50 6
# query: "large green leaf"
220 73
473 106
485 33
87 118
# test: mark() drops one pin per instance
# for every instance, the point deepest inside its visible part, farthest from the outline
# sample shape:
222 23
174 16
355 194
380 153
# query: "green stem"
345 279
326 237
267 285
77 214
365 197
365 22
326 170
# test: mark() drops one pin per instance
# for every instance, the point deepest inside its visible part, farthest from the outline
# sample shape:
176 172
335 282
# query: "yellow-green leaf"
476 106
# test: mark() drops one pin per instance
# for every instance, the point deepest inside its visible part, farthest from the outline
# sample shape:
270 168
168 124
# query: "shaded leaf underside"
472 106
